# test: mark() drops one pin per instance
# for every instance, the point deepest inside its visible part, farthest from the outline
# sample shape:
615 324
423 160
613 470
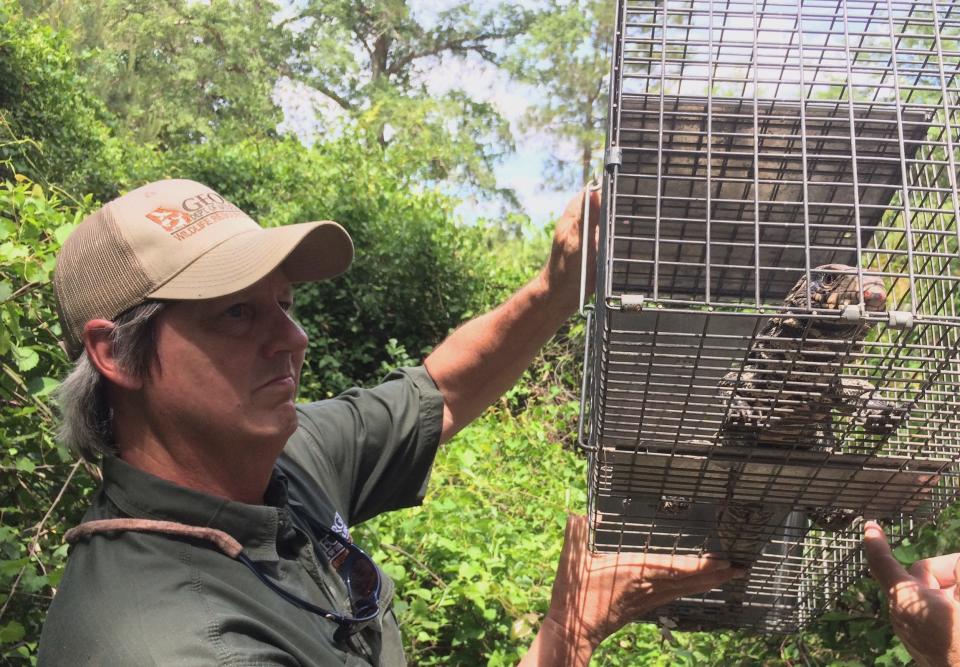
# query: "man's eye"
237 310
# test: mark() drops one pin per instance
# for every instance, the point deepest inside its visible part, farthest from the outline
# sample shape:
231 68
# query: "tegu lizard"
784 396
792 378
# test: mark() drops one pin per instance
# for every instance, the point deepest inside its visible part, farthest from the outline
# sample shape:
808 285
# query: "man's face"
228 368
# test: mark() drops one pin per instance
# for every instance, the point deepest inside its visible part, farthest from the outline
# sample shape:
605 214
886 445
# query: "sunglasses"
356 569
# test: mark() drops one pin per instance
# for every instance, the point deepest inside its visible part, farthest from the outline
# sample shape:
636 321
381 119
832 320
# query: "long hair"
86 418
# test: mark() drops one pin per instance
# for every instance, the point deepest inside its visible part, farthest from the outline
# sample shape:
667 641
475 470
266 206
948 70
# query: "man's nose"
286 335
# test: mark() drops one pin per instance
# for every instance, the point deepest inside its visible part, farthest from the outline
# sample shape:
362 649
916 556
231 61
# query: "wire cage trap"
773 354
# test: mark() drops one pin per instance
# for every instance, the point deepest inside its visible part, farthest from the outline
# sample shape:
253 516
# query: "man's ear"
99 347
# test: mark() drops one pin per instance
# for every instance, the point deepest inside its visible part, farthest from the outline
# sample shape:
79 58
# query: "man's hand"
482 359
596 595
561 275
924 606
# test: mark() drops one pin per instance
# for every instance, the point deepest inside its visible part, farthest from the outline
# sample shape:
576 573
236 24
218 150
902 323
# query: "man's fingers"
694 584
594 205
956 576
924 577
575 536
659 566
883 566
938 572
574 209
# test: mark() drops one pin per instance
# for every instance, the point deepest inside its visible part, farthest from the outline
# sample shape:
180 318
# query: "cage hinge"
632 303
853 312
613 158
900 319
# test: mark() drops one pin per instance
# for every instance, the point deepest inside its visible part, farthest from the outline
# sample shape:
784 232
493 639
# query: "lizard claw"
883 419
834 519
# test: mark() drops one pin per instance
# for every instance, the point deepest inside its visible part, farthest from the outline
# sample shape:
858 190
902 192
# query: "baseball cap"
178 239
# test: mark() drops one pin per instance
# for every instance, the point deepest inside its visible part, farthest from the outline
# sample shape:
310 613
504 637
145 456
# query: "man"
221 532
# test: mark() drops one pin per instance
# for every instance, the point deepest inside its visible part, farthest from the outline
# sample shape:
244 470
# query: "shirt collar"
142 495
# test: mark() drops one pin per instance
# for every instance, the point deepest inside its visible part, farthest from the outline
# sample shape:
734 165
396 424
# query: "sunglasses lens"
363 579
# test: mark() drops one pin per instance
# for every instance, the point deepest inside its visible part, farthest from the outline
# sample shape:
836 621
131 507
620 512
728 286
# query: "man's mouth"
285 380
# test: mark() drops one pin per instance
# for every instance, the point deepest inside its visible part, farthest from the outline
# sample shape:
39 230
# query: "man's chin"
285 417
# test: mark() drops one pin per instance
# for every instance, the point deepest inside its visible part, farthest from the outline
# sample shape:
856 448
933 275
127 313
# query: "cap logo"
170 219
195 214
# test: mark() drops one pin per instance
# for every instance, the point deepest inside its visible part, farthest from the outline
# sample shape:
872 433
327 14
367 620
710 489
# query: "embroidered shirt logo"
339 526
334 551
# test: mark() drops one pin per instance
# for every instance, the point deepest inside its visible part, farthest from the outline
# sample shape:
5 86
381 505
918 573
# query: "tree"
177 72
566 57
180 72
51 127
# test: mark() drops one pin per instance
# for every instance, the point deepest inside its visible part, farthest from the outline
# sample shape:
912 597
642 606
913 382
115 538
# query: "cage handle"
581 421
592 186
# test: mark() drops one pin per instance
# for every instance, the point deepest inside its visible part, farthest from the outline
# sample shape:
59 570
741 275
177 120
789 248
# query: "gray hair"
86 418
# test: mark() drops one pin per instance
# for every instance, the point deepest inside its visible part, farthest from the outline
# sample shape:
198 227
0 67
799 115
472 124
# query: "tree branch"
341 101
436 577
461 44
35 541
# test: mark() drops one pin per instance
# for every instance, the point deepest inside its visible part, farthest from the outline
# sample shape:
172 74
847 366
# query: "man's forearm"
484 358
554 646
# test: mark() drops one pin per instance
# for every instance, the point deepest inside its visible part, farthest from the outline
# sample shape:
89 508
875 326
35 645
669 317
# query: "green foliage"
178 72
38 501
451 138
51 128
474 564
454 136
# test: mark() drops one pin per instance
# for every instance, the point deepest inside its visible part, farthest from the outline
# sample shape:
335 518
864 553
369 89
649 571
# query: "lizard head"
833 286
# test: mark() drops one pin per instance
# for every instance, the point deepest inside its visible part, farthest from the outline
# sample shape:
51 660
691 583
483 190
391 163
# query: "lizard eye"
828 279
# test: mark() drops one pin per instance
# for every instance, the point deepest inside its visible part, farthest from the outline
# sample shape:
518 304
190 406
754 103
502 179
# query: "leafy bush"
51 128
474 565
44 491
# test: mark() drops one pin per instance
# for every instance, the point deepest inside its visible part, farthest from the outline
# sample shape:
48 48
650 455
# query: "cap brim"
307 252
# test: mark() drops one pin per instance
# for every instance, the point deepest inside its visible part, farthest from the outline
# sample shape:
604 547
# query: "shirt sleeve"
371 450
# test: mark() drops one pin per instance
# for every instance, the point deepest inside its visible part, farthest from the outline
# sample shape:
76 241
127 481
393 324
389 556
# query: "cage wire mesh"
773 353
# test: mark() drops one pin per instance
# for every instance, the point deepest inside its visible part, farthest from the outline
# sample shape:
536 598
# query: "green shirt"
134 598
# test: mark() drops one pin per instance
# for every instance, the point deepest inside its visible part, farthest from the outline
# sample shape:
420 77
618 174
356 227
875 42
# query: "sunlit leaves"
33 469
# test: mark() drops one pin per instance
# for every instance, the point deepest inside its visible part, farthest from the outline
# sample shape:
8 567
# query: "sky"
523 170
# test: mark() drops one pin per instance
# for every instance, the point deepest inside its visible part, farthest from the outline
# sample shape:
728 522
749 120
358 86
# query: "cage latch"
900 319
632 303
613 158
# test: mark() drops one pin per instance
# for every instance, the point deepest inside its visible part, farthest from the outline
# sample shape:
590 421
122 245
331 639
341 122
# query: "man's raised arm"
482 359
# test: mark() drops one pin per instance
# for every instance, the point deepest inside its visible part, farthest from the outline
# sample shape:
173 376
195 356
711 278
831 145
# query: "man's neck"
201 456
244 482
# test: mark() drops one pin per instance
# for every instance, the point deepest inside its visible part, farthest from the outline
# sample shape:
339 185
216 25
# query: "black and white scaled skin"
788 388
793 378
